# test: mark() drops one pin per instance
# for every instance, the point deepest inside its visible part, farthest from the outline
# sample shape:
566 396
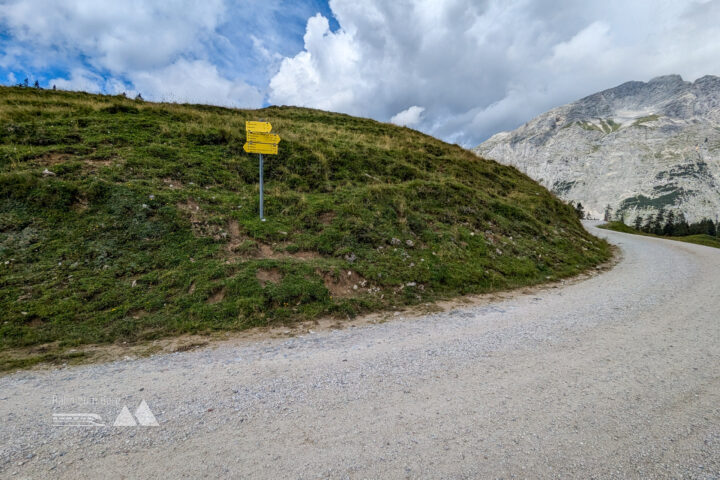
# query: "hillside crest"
132 220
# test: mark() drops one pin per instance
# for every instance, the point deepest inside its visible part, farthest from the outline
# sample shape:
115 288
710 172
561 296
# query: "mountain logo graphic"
144 416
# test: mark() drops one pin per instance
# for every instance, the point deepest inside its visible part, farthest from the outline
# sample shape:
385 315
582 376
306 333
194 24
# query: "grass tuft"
706 240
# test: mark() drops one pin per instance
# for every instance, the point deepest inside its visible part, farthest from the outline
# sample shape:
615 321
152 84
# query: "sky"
460 70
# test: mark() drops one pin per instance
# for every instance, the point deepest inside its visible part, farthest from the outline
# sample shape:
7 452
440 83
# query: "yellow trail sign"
260 140
253 137
258 127
266 148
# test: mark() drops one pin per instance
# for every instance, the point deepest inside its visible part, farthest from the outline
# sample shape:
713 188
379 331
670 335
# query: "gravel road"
617 376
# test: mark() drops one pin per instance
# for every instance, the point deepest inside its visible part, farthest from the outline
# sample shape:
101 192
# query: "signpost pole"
261 141
262 218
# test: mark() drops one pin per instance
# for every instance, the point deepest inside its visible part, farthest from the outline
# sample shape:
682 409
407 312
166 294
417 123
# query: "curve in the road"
616 376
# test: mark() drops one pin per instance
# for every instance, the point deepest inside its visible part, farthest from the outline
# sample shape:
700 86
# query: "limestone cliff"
636 147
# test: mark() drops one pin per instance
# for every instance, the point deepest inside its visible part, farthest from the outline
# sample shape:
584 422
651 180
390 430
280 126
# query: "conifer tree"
669 228
620 216
649 223
638 222
681 226
659 222
580 211
608 214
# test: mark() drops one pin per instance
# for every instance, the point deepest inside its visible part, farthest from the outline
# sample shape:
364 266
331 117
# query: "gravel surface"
617 376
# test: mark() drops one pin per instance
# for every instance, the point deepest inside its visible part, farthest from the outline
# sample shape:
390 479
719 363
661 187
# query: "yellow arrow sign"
253 137
264 148
258 127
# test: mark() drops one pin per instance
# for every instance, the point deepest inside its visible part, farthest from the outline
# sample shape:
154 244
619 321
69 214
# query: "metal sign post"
261 141
262 218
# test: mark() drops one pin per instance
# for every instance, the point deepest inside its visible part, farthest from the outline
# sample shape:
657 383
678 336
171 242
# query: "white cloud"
409 117
80 79
324 75
115 36
10 56
195 82
114 86
480 67
475 66
587 43
156 48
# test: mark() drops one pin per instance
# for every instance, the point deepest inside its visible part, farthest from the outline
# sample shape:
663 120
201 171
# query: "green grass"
589 126
149 225
606 125
612 125
665 197
707 240
642 120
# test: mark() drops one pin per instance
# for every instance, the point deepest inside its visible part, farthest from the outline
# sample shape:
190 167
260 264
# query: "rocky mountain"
637 147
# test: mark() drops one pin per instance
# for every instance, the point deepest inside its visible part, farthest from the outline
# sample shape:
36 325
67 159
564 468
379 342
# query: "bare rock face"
637 147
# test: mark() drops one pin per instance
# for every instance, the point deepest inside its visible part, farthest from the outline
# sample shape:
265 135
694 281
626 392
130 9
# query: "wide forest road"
617 376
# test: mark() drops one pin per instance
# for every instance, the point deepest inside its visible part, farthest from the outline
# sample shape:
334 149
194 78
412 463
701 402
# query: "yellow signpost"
271 138
260 127
261 148
261 141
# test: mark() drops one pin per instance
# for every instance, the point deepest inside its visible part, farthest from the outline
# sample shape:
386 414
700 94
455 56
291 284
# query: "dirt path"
616 376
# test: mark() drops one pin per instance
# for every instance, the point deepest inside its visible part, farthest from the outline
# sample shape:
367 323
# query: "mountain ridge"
637 147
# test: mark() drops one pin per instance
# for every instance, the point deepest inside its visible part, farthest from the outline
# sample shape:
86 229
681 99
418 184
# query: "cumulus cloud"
195 82
324 75
160 49
475 67
114 36
481 67
80 79
409 117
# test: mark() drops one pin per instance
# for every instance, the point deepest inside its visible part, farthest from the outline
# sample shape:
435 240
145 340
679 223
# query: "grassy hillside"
707 240
145 222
